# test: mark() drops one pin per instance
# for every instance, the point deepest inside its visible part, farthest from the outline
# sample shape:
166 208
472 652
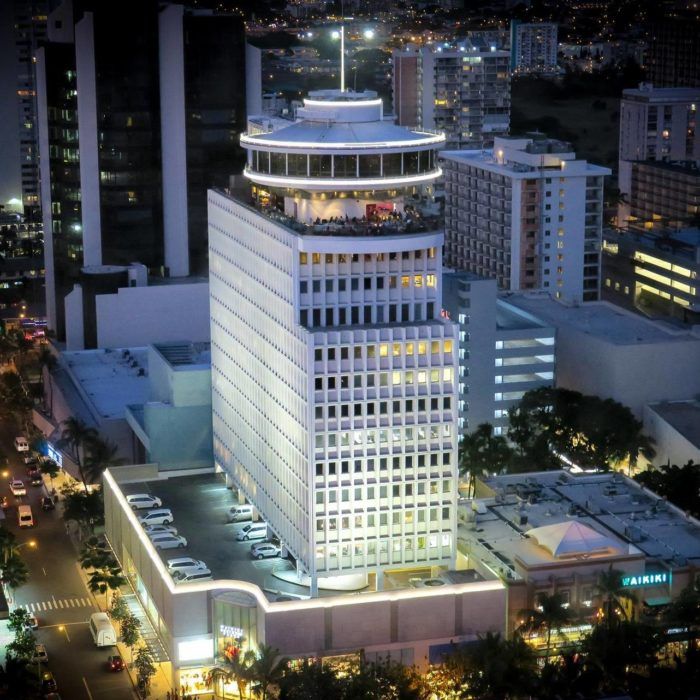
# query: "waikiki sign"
642 580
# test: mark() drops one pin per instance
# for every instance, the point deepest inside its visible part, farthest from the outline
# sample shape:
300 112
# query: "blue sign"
644 580
54 454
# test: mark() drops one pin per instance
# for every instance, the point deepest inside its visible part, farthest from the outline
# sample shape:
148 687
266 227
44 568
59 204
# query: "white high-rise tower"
333 371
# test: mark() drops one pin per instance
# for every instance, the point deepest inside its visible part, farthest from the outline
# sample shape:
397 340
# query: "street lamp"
368 33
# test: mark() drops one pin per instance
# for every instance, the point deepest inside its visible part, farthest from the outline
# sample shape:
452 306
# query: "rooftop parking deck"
200 503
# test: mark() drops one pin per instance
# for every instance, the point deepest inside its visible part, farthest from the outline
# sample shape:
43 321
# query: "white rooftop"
109 380
601 319
565 512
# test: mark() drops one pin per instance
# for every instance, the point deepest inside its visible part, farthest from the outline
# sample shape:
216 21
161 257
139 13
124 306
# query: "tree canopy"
550 423
681 485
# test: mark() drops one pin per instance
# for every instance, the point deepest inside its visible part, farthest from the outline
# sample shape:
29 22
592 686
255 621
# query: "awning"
657 600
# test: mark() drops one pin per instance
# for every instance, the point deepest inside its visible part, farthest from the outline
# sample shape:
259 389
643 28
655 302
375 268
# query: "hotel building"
528 214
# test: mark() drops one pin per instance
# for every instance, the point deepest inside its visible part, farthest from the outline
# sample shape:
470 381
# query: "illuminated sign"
642 580
54 454
195 649
229 631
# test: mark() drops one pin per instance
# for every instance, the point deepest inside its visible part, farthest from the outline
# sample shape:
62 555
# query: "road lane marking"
60 604
87 690
85 601
69 601
44 570
43 606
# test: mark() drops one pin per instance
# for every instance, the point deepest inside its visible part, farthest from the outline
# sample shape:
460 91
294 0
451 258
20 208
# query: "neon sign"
643 580
228 631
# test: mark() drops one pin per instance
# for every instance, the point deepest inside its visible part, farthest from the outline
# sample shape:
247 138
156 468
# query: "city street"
57 595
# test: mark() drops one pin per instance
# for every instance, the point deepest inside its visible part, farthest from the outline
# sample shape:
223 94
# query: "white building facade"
333 372
528 214
657 124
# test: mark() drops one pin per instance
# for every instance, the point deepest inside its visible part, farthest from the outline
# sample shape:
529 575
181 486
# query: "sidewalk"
160 685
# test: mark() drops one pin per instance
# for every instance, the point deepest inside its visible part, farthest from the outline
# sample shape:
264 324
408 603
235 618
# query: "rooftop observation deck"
414 219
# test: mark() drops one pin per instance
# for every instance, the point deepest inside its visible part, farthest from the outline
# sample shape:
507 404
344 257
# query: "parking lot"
199 505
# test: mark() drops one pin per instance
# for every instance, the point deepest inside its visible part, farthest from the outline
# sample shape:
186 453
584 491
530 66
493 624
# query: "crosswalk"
60 604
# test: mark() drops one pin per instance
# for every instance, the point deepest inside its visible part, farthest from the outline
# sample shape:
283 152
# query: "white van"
102 631
24 516
159 516
253 531
238 513
192 576
21 444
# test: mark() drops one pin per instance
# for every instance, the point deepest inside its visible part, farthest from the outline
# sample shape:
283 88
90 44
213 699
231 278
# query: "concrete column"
380 580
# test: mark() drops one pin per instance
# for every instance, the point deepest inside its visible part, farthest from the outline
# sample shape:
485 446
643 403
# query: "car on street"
159 530
48 682
47 503
143 500
186 564
264 550
30 459
21 444
115 663
40 656
169 542
37 479
17 488
32 622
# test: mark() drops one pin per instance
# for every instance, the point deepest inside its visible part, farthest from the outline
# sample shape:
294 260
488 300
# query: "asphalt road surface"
56 594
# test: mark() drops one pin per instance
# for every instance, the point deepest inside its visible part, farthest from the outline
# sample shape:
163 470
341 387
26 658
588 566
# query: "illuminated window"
405 281
447 346
434 375
447 374
430 280
384 350
396 378
418 280
421 348
396 349
409 348
421 377
316 258
303 258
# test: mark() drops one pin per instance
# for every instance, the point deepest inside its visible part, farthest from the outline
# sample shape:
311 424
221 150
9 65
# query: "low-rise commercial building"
675 428
503 350
413 619
607 351
557 532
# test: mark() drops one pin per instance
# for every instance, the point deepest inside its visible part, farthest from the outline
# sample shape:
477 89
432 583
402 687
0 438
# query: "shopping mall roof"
542 517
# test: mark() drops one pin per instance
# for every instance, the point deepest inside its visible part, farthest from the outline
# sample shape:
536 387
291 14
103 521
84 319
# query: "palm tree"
613 595
550 615
47 361
482 451
240 670
101 454
51 469
76 434
105 580
94 555
14 572
266 670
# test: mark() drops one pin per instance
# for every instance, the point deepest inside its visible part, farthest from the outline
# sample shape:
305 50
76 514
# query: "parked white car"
40 656
264 550
185 565
169 542
143 500
192 576
159 530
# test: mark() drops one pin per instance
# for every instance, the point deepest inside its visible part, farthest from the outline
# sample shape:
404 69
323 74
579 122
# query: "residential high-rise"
463 90
528 213
160 105
657 124
333 371
674 51
666 191
30 31
533 47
